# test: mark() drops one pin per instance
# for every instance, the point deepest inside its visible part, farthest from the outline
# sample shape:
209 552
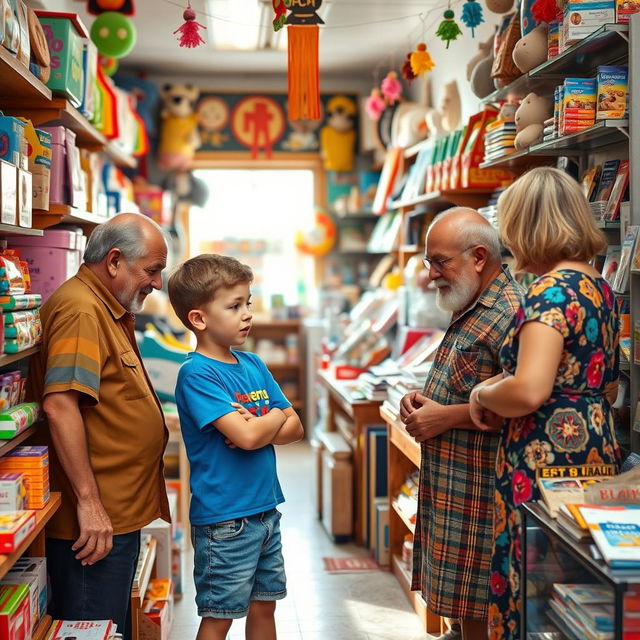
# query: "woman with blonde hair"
560 359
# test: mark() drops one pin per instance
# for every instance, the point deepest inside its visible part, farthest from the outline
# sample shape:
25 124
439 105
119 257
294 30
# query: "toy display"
179 129
338 136
531 49
529 118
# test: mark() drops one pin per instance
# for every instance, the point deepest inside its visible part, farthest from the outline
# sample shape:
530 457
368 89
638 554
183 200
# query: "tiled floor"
364 606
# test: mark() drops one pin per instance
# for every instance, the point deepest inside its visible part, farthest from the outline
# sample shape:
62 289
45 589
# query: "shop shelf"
602 134
40 632
606 45
517 160
524 85
42 517
58 213
447 197
138 591
19 82
10 358
609 226
9 445
12 230
415 149
410 525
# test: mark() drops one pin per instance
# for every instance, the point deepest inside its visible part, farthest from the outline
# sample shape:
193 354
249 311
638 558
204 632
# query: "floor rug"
349 565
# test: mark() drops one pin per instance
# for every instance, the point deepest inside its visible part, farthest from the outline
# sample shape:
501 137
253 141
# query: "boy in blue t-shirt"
231 413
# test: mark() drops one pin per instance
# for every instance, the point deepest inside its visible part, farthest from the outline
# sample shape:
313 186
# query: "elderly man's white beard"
459 295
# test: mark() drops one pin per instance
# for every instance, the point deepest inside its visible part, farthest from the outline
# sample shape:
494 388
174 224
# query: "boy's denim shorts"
238 561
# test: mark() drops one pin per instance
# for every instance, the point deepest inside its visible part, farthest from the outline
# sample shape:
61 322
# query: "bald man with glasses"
454 535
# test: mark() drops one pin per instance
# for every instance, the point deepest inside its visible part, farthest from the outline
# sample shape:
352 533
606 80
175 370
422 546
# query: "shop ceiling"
359 35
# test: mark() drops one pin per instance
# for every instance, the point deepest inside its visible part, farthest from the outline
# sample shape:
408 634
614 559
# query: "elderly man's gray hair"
127 236
474 233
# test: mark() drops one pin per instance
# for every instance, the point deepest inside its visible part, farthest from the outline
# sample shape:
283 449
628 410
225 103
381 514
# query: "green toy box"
65 36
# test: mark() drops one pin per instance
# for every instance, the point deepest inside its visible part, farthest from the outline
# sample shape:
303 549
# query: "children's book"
621 279
81 630
589 181
612 212
616 532
611 263
593 601
605 183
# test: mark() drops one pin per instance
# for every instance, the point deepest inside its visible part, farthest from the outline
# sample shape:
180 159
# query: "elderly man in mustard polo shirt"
104 421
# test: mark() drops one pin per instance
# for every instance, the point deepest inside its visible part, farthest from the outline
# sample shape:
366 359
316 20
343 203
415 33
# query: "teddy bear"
531 50
179 127
338 136
530 117
446 118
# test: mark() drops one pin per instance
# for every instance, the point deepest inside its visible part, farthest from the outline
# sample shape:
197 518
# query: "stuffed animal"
179 129
408 126
481 80
484 49
531 50
447 117
530 117
508 112
338 136
500 6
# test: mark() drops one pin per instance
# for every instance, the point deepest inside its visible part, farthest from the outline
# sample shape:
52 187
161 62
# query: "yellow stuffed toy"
338 136
179 137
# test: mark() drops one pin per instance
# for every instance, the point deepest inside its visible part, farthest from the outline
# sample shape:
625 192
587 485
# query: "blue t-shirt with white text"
226 483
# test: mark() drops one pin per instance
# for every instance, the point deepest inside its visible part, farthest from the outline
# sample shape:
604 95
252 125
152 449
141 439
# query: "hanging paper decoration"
544 11
421 61
113 34
303 34
189 32
374 105
448 29
391 87
96 7
280 8
406 70
472 15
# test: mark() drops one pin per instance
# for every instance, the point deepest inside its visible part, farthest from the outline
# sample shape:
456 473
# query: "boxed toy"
473 154
39 158
613 87
582 18
15 618
14 528
34 567
12 492
12 136
8 192
65 36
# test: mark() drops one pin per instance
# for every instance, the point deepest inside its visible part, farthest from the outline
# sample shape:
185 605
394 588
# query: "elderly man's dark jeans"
98 592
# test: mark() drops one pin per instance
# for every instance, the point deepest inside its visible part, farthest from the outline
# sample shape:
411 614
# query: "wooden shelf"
18 81
9 445
147 567
119 157
12 230
516 160
403 517
42 517
63 213
401 439
40 632
448 197
10 358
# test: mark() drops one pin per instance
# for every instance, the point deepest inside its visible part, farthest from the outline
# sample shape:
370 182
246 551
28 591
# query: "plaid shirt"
454 535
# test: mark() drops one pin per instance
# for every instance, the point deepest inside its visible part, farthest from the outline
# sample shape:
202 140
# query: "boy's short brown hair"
194 283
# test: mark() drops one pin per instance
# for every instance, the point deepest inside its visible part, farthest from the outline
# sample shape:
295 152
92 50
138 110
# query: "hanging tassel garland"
544 11
189 32
421 61
374 105
472 15
448 29
406 70
391 87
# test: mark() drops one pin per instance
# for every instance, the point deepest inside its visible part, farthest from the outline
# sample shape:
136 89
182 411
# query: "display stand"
351 418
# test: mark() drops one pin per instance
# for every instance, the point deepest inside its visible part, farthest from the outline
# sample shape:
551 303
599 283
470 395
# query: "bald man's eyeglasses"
440 264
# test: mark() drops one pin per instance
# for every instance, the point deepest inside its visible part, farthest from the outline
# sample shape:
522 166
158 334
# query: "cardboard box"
8 192
613 88
12 492
381 542
15 618
14 528
12 135
39 161
65 36
625 9
31 582
34 567
154 620
583 18
24 201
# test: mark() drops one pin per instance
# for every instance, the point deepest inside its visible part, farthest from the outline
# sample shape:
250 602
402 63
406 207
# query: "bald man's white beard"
459 295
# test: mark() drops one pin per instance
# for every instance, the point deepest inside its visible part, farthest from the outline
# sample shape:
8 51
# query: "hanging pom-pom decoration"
374 105
189 32
472 15
421 61
406 70
448 29
544 11
391 87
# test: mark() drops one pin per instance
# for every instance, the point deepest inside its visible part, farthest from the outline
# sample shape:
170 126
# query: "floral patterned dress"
575 426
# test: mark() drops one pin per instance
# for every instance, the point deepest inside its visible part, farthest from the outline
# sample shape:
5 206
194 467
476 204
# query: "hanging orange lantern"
304 77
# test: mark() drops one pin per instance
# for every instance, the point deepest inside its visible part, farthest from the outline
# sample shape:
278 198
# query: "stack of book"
499 140
397 389
372 387
584 611
407 498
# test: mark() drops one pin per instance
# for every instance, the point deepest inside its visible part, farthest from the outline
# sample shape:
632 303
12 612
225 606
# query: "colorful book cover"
607 178
621 279
612 212
611 263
